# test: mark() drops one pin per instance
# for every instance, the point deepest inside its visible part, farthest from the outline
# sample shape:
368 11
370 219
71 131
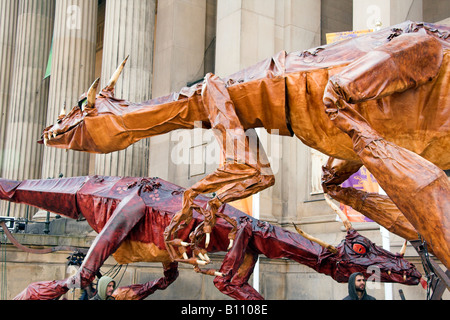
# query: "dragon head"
73 130
357 253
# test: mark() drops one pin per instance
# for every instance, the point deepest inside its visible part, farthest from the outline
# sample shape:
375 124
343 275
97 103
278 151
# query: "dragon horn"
339 212
316 240
115 76
63 111
403 249
92 93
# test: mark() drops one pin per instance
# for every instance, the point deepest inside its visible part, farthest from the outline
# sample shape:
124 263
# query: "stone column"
245 34
248 32
8 25
29 92
179 60
72 73
129 28
366 13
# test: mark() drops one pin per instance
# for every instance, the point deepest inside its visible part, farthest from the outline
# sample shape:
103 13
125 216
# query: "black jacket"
352 290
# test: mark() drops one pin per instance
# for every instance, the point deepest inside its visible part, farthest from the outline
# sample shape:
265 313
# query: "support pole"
441 279
256 215
387 246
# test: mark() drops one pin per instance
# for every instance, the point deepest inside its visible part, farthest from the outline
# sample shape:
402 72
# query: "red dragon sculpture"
131 214
379 100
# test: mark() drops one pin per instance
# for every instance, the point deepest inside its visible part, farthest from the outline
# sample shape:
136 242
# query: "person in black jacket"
357 288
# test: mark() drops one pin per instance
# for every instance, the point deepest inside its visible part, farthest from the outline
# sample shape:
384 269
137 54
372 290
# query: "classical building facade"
51 52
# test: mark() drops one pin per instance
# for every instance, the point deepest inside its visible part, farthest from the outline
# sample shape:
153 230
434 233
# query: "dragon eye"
359 248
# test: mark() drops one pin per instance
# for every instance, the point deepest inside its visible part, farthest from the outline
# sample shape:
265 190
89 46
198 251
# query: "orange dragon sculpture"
379 100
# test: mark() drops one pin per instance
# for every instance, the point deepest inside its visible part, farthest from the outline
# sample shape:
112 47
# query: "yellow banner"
339 36
363 179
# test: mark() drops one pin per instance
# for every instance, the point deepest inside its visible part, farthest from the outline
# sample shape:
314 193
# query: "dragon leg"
237 267
245 171
419 189
130 210
374 206
142 291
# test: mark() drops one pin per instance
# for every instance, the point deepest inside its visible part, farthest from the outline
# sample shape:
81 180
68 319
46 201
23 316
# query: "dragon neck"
116 124
275 243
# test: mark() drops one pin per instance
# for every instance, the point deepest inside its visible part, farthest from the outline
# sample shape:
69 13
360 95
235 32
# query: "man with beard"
105 288
357 288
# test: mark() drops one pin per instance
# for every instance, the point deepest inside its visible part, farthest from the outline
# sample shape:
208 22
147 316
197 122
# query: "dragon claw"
192 261
178 242
202 262
201 256
210 272
207 239
230 244
204 257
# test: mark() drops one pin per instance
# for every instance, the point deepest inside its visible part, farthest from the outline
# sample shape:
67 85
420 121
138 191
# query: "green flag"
49 62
